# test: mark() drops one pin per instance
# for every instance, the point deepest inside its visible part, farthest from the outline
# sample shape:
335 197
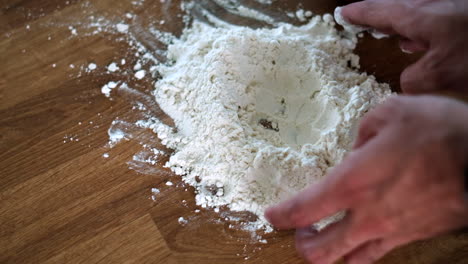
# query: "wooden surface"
62 202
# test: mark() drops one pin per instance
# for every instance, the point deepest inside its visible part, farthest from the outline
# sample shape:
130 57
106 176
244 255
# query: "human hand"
437 27
402 182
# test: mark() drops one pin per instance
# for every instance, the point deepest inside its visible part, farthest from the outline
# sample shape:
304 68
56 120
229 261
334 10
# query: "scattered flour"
303 15
154 193
137 66
92 66
122 28
73 30
150 156
260 114
113 67
107 88
237 8
182 221
140 74
116 134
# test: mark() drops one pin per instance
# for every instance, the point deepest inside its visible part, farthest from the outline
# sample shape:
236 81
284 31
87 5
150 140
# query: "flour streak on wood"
61 201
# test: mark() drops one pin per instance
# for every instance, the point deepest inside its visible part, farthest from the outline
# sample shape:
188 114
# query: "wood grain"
62 202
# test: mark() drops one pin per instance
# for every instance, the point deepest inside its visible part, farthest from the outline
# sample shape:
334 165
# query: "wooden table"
63 202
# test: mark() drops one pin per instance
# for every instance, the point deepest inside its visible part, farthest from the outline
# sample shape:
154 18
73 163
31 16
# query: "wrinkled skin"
436 27
402 182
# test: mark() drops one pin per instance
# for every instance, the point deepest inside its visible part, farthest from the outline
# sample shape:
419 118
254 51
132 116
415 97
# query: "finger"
384 16
329 245
310 244
422 76
369 127
325 198
410 46
311 205
368 253
375 121
374 250
305 233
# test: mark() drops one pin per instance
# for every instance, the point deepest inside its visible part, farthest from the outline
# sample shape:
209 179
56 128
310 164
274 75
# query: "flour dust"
256 114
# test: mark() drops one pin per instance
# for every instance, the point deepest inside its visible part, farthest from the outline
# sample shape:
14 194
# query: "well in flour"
260 114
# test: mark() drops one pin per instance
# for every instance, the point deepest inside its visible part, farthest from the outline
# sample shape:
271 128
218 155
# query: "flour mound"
260 114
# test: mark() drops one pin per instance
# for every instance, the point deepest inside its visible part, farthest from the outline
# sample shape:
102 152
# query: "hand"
402 182
437 27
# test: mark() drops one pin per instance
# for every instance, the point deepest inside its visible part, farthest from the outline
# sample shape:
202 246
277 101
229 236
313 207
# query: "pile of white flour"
260 114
